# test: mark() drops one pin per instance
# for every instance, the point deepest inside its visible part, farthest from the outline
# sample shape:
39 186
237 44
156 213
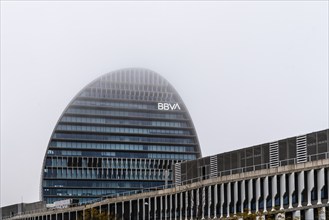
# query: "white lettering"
168 106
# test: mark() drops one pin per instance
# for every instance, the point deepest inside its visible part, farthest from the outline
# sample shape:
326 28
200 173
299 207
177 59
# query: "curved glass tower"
120 133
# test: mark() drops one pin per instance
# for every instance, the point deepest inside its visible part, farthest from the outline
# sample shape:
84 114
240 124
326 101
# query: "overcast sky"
249 72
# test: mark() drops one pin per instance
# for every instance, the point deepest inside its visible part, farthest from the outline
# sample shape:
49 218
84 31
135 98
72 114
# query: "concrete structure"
122 132
12 210
295 190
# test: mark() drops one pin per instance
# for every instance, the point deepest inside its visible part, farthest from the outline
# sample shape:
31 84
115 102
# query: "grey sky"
249 72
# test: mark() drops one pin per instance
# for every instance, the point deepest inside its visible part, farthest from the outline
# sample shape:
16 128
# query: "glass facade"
112 138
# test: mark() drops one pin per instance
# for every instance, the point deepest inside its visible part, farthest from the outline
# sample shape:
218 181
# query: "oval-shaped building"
122 132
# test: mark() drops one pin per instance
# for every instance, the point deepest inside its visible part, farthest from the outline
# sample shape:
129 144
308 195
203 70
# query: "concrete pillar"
310 186
176 207
161 207
296 214
236 196
243 195
197 202
170 206
266 192
203 202
215 202
282 189
274 191
257 194
186 204
115 209
322 213
122 209
149 208
309 213
192 203
291 188
209 200
143 207
250 193
320 179
166 206
181 206
130 209
221 199
301 187
228 191
137 209
155 208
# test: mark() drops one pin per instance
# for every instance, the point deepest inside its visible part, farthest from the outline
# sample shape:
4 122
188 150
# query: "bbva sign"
168 106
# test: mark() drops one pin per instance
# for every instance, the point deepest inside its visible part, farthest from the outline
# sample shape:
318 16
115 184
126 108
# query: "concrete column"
291 188
250 193
322 213
309 213
221 199
257 194
108 210
215 202
282 189
209 201
192 203
228 191
243 194
170 206
236 196
301 187
161 207
181 206
166 206
123 209
197 202
176 207
115 209
265 191
203 202
320 184
137 209
155 208
310 186
143 207
186 204
296 214
130 209
149 208
274 191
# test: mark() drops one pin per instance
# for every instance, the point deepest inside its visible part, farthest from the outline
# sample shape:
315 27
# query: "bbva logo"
168 106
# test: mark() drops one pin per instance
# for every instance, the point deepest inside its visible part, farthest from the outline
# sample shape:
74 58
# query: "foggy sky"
249 72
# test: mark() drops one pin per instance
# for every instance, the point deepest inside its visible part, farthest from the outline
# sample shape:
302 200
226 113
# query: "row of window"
123 122
130 95
122 154
111 174
124 114
120 130
123 138
109 163
79 192
132 147
152 106
100 184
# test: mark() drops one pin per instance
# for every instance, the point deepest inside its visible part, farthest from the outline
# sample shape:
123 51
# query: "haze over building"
122 132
